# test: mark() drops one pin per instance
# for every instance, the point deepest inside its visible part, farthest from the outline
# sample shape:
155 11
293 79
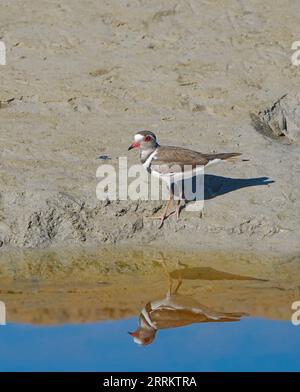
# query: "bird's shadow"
215 186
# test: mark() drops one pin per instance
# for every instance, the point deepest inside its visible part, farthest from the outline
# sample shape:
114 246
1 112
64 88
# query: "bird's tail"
227 156
223 317
232 316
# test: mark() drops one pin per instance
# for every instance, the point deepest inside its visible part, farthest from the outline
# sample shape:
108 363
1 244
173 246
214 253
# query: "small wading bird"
169 163
175 310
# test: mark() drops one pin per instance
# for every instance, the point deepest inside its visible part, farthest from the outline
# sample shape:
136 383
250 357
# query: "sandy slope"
82 77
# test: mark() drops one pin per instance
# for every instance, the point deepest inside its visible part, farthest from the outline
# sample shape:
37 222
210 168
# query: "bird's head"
143 336
144 140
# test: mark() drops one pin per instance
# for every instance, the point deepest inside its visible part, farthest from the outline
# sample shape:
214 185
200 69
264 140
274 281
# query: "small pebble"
104 157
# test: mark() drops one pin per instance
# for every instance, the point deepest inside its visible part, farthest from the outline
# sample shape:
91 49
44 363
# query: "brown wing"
173 159
171 318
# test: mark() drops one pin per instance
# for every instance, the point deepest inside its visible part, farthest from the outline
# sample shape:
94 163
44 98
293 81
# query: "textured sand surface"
83 76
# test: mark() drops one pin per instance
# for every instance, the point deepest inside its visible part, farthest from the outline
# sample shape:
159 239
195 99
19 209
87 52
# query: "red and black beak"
134 334
134 145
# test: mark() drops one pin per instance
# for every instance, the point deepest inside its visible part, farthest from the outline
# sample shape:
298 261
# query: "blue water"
248 345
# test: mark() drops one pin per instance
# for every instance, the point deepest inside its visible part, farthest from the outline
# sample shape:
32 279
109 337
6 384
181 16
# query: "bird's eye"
147 138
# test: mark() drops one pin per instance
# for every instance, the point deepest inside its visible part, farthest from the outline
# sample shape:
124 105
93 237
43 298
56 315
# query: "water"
249 345
183 314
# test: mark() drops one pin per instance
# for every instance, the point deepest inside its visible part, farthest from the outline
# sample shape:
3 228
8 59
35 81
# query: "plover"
175 310
169 163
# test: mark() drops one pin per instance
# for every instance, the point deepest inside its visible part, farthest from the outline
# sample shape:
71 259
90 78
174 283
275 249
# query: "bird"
175 310
169 163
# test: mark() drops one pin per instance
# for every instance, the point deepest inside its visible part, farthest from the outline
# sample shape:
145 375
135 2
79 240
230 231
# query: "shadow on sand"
217 186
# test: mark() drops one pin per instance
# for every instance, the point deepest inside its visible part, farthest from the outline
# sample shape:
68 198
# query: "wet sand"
57 288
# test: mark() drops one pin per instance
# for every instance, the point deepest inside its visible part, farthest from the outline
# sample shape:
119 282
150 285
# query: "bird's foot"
159 217
162 218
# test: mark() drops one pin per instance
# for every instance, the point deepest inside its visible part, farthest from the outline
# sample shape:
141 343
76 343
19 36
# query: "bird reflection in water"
175 310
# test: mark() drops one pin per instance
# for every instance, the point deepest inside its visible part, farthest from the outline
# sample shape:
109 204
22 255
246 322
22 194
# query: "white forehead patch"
137 340
138 138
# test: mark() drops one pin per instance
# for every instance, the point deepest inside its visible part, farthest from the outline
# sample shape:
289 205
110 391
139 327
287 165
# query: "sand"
82 77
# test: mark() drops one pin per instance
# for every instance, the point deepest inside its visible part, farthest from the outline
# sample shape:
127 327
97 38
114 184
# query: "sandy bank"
80 80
